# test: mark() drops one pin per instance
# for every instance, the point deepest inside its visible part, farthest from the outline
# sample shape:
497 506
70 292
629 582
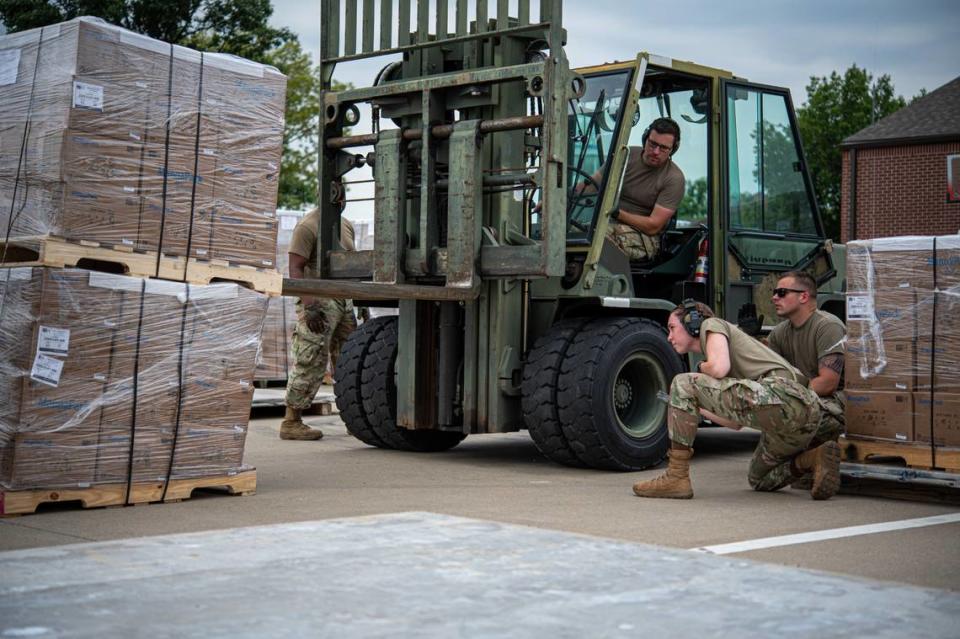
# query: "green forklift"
514 309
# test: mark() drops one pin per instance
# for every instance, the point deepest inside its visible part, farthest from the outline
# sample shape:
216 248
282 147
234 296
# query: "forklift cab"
741 157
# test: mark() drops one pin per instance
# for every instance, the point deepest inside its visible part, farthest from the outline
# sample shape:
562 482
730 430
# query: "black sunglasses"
782 292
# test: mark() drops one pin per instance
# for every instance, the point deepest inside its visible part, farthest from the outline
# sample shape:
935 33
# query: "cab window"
767 191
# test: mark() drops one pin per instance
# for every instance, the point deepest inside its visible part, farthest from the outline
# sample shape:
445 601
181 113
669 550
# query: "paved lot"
503 478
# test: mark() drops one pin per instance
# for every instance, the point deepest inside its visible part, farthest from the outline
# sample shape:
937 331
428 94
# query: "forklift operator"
653 187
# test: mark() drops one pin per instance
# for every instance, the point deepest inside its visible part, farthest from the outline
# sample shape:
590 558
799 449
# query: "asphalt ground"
503 478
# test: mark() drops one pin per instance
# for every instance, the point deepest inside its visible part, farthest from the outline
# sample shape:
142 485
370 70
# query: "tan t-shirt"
645 186
804 346
749 358
303 242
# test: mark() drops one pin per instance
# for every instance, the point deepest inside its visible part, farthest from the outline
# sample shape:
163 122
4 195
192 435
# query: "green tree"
239 27
838 106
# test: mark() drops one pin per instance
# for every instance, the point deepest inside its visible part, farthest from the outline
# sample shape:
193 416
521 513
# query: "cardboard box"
109 377
947 261
159 116
880 415
888 314
890 263
880 365
944 426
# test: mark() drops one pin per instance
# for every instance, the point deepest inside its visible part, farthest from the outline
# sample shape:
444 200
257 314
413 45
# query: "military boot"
823 462
673 484
293 427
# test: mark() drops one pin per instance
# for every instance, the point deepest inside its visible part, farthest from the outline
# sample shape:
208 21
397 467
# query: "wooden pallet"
22 502
58 252
913 454
196 271
947 458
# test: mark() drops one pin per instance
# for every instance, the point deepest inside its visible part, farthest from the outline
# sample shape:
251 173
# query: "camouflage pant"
786 413
310 350
832 423
635 244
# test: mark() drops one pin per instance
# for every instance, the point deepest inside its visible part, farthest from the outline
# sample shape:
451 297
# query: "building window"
953 178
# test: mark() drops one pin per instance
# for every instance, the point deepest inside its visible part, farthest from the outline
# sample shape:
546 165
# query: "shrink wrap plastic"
109 136
109 379
903 339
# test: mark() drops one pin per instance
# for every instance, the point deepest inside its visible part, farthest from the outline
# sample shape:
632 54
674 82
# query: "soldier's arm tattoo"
833 361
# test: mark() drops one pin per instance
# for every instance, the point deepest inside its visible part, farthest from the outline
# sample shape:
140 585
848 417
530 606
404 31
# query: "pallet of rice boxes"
902 374
110 137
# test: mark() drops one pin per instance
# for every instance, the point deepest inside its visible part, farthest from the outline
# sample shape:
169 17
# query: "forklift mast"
479 124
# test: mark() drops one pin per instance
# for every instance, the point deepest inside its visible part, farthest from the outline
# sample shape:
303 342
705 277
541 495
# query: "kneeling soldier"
741 383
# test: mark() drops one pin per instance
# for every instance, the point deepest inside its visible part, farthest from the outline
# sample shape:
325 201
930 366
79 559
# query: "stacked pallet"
903 350
154 168
115 141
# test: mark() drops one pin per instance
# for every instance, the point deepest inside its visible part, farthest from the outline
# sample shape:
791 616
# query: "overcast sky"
775 42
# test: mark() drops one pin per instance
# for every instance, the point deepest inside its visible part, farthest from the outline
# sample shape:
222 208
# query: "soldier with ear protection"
741 382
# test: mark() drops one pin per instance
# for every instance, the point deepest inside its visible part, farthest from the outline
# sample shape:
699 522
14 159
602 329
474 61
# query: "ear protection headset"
675 132
691 318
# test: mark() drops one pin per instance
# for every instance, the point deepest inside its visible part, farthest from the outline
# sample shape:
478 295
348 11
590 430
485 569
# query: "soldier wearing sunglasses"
813 341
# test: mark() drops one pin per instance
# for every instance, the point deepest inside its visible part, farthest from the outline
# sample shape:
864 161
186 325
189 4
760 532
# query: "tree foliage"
239 27
838 106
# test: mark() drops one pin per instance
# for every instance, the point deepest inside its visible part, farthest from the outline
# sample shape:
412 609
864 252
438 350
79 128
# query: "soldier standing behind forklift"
813 341
320 323
741 383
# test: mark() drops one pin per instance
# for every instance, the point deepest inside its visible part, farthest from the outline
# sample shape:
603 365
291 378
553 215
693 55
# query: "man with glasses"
813 341
741 383
653 187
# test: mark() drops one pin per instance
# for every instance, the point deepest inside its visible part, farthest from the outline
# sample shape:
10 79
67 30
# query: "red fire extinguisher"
700 275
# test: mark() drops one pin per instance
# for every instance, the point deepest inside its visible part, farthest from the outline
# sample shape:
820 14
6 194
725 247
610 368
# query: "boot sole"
826 483
640 493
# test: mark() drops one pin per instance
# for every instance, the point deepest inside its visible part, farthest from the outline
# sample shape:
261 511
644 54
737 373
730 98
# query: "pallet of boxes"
902 375
138 185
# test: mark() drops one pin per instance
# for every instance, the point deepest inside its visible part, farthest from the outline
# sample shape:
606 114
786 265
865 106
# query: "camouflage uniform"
784 411
310 349
635 244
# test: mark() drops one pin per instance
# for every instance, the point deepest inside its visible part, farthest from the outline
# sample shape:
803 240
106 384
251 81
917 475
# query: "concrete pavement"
503 478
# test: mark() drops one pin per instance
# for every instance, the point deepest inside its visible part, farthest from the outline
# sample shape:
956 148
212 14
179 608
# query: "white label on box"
209 151
87 96
201 251
859 307
130 189
267 262
53 340
9 65
288 222
46 370
142 85
135 137
100 377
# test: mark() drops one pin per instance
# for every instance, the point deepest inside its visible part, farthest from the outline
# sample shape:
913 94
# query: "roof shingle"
935 116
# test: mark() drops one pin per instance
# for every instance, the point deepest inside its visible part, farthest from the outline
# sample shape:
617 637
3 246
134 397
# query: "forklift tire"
379 392
608 393
539 391
346 381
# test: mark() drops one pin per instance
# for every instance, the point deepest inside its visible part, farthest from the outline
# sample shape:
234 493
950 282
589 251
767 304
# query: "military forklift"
514 310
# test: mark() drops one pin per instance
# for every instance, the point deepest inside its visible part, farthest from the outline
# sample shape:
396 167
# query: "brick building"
901 175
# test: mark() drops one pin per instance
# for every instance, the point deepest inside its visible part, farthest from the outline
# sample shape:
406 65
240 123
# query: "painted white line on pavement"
821 535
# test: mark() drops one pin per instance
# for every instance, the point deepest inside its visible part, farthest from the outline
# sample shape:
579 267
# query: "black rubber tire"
541 373
630 357
379 392
347 379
